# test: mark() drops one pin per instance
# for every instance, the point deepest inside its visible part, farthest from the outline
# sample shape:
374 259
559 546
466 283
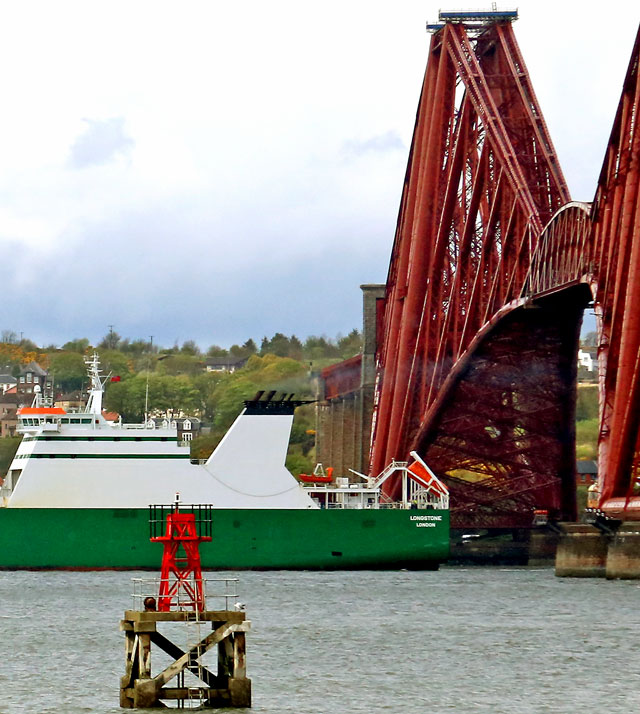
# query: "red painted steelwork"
342 378
481 182
490 270
616 217
181 575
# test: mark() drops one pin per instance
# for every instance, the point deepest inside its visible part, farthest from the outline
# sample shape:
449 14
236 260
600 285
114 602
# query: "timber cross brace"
229 687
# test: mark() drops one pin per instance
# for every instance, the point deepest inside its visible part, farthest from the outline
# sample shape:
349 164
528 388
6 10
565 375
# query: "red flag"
115 379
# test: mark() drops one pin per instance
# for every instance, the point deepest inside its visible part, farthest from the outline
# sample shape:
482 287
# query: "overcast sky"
224 170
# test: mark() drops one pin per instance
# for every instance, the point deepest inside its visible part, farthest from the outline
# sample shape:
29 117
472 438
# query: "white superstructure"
81 460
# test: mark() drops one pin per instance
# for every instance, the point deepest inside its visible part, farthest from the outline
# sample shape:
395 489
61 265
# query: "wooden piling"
228 687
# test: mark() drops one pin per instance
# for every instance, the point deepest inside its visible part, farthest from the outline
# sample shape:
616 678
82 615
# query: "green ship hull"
92 539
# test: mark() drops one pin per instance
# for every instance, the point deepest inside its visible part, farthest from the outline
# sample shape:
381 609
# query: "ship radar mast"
37 396
96 388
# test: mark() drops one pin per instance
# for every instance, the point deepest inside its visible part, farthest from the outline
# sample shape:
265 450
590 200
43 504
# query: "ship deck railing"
219 593
394 505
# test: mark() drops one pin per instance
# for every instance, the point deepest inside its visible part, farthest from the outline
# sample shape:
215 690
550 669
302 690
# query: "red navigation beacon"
181 528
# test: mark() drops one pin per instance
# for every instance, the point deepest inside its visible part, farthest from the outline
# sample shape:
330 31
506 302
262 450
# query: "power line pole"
146 391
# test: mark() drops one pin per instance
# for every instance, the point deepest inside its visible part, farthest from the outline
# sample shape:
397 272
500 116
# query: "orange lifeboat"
319 477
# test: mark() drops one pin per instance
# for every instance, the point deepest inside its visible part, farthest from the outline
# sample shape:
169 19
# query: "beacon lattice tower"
180 598
181 572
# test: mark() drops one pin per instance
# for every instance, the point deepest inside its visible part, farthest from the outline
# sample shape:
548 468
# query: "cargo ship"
78 491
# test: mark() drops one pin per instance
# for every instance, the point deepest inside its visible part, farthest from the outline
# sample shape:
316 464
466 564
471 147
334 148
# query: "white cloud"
103 141
241 163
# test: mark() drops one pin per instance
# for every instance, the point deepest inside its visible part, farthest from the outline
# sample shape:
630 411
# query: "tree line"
158 379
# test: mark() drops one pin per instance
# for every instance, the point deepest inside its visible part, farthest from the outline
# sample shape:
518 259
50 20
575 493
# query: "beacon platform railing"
202 517
219 594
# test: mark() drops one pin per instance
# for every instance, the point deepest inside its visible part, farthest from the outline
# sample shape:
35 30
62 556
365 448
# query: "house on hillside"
586 472
7 381
188 427
8 412
225 364
71 401
588 359
31 375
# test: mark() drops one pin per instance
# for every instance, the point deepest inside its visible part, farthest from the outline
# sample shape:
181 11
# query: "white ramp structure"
249 462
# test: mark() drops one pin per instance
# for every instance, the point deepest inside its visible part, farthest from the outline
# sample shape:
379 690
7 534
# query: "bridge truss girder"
485 230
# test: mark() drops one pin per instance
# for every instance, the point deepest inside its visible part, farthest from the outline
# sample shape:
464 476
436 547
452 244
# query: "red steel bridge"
491 269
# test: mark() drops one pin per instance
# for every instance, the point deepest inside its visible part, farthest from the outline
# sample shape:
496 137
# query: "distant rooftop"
33 367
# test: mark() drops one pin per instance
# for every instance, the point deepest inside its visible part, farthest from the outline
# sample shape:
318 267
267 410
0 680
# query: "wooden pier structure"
228 687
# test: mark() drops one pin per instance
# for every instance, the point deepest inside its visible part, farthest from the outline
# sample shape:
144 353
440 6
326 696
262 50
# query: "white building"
588 360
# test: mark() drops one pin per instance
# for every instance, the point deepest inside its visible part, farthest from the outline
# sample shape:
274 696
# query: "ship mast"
96 389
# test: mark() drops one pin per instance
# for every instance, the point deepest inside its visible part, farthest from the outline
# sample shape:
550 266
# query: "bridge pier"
503 547
582 552
586 552
623 556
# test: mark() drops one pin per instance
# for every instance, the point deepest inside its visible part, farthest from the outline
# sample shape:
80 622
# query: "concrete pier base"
582 552
623 556
520 547
586 552
542 547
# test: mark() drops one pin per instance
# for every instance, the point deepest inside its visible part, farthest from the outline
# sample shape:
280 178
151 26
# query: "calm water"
460 640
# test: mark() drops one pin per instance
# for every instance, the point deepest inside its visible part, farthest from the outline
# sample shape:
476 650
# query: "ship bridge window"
74 421
85 421
64 421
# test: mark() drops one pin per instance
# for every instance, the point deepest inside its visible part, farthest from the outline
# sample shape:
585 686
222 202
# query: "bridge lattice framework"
491 268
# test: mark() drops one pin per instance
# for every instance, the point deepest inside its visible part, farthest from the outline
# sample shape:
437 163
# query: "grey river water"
459 640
